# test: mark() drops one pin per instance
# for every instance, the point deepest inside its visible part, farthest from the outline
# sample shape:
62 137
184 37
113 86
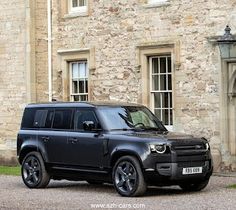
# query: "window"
82 116
78 6
161 88
34 118
62 119
79 81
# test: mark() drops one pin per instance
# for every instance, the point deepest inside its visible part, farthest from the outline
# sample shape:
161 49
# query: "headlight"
159 148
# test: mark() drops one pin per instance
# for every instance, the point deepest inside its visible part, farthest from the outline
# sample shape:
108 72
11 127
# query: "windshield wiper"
151 128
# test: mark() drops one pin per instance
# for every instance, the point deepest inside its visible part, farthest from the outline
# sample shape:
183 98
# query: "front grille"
199 146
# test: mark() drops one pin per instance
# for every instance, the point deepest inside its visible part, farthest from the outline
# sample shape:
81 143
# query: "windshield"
130 117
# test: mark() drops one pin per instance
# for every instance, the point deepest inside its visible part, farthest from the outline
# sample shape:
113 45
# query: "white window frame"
156 3
170 92
79 9
84 79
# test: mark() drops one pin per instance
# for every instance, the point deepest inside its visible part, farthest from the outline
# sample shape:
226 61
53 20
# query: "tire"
127 177
94 182
191 187
33 171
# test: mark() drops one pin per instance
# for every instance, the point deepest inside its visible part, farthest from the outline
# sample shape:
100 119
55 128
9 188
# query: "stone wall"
116 28
12 74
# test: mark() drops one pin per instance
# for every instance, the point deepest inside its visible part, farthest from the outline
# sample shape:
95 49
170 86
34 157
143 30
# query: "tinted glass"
28 118
34 118
62 119
84 115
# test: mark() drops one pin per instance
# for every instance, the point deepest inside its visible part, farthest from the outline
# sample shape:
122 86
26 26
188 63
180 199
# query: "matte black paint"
83 155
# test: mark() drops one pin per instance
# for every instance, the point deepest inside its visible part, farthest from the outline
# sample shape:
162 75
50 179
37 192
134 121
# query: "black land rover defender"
123 144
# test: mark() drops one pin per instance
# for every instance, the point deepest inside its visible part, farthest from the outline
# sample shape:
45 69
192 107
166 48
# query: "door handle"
45 138
73 140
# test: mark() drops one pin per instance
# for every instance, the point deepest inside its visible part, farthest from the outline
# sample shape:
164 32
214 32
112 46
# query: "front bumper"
172 173
167 169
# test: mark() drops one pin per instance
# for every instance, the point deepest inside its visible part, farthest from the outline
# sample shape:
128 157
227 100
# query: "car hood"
162 137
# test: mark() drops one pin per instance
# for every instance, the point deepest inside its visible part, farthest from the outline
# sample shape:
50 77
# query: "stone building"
160 53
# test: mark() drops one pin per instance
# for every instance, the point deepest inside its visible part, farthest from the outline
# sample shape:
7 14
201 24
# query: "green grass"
6 170
233 186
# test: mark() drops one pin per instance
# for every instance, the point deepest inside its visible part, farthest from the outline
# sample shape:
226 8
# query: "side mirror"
88 125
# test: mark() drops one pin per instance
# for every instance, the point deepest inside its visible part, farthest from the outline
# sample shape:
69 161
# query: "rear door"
52 135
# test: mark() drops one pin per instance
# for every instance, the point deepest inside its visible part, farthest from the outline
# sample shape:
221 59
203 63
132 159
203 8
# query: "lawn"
233 186
6 170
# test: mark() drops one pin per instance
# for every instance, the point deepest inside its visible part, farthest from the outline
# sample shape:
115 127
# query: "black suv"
123 144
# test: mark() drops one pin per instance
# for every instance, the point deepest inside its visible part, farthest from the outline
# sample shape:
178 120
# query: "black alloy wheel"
128 177
33 171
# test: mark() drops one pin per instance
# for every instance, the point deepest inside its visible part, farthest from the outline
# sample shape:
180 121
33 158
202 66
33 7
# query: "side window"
84 115
62 119
40 118
37 118
28 120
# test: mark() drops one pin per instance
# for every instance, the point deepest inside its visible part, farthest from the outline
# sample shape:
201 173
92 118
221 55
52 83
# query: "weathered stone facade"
13 78
114 36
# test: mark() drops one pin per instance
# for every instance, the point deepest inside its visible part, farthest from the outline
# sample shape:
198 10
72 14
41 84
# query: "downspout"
49 10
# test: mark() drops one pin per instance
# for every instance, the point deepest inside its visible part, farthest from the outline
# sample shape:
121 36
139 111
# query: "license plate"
193 170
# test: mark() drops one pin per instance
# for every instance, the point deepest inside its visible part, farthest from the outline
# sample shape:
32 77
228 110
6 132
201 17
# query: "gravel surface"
80 195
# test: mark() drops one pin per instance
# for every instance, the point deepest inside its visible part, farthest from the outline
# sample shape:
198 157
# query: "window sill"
154 5
76 14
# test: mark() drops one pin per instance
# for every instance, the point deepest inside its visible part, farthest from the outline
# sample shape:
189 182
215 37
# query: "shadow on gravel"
108 188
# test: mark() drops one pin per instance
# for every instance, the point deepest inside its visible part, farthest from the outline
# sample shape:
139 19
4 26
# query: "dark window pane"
163 65
28 118
171 117
81 87
75 87
155 82
40 118
84 115
169 64
163 82
158 113
165 100
170 95
48 121
169 82
62 119
157 100
165 116
82 3
83 98
155 65
86 86
75 3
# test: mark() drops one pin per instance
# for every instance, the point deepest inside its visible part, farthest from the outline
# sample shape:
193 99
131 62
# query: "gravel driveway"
80 195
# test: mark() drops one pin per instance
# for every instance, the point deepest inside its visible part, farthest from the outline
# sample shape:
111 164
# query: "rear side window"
28 120
62 119
34 118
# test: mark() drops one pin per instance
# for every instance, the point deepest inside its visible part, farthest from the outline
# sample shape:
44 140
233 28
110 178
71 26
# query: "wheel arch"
26 150
118 154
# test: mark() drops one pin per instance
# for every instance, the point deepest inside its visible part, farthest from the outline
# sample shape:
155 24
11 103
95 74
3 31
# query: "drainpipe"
49 4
